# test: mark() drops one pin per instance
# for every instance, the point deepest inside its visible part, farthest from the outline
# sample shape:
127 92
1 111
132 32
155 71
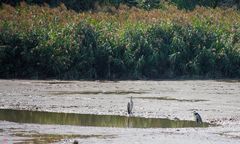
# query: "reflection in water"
24 116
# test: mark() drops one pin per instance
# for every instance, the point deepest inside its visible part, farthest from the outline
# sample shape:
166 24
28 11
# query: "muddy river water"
34 111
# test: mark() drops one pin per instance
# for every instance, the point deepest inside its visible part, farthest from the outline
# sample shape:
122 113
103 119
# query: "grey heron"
130 106
198 118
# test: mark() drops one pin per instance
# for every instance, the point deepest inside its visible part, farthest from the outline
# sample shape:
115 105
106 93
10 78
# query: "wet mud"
96 111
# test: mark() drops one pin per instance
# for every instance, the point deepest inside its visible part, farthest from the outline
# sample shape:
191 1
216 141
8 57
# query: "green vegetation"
118 42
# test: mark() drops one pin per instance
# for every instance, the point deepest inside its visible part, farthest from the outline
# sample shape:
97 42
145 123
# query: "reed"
128 42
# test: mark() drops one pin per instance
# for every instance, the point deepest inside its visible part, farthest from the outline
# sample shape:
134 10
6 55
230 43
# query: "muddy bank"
156 99
64 134
216 101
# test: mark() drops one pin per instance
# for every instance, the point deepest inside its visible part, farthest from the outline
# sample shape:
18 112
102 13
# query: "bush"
41 42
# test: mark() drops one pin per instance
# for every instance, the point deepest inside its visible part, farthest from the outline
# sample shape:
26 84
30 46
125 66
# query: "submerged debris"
75 142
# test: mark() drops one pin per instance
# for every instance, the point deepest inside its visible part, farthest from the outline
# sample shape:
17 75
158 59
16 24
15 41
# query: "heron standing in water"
130 106
197 117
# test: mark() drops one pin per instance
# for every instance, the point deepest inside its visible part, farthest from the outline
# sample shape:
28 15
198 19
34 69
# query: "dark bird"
75 142
130 106
197 117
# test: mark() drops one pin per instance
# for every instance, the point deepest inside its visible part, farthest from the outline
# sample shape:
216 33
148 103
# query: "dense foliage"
82 5
44 42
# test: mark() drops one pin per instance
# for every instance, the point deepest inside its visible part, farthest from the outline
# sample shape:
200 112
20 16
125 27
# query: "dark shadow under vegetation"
84 5
82 52
191 4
